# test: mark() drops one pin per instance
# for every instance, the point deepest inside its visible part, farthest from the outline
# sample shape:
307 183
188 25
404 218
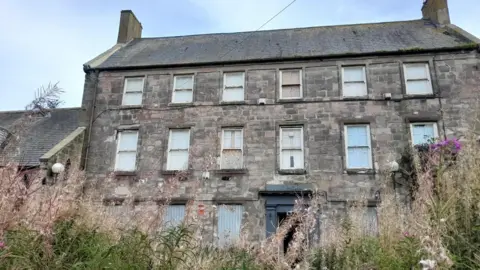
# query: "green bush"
367 253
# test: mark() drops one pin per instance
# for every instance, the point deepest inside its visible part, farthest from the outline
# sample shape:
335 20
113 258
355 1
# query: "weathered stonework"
322 112
67 152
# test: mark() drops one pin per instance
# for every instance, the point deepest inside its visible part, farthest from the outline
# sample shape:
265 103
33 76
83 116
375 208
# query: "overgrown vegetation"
54 227
62 227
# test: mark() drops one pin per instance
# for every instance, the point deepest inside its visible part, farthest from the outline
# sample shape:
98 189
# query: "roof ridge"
51 110
282 29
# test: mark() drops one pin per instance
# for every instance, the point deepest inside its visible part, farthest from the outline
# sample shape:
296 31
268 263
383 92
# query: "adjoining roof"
324 41
38 134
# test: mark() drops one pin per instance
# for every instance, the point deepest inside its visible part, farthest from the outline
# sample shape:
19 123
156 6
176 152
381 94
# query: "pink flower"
2 245
406 234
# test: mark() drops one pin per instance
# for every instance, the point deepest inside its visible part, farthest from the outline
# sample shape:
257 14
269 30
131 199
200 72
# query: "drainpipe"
92 113
439 97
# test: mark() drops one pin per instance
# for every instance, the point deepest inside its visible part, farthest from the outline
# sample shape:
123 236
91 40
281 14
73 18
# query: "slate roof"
38 134
323 41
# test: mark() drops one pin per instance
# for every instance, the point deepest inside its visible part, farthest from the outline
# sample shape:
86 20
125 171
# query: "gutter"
87 70
469 46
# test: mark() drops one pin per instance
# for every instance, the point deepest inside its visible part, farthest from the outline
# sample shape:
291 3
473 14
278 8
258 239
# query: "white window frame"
281 147
226 88
119 138
138 91
364 73
429 79
170 144
434 126
370 161
222 146
281 83
182 89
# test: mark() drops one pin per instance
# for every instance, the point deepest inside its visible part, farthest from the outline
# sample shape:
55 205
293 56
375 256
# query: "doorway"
281 217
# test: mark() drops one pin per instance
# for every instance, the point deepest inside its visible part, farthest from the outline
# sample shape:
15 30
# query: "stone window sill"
360 171
125 173
359 98
292 172
231 171
113 200
188 104
411 96
237 102
130 107
175 172
290 100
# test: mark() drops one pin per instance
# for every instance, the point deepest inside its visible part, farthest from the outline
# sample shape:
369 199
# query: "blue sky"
48 41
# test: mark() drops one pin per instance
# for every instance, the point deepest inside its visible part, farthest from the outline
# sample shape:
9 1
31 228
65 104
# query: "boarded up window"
370 221
229 223
174 215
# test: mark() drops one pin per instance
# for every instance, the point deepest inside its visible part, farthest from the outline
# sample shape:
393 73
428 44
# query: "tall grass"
60 227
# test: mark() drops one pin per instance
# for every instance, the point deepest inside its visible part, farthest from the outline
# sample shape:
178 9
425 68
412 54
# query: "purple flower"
406 234
452 145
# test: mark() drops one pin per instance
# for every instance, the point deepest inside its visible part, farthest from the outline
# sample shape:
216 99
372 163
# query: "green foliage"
76 247
367 253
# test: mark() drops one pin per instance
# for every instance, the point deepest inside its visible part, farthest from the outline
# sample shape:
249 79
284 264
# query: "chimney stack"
436 11
130 27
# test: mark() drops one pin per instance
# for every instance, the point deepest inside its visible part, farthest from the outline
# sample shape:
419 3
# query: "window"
370 221
183 89
358 149
174 215
291 148
133 90
417 79
233 85
178 145
126 150
423 132
290 84
232 149
229 223
354 81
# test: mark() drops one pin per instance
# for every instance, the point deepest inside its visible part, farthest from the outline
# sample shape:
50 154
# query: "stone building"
260 118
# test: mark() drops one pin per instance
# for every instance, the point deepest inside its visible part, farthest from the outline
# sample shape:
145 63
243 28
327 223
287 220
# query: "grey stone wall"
322 113
67 152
